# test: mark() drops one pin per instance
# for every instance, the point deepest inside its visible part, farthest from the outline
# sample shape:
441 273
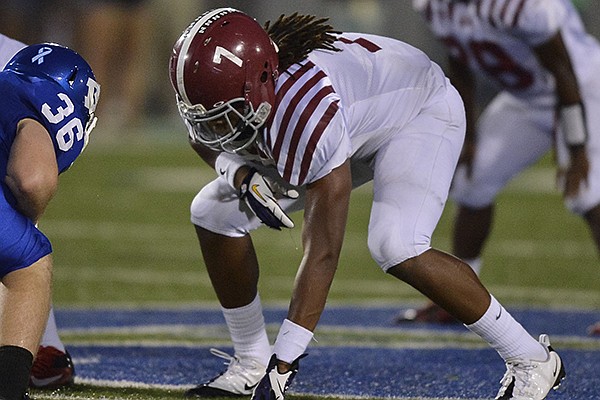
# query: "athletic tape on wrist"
572 122
227 165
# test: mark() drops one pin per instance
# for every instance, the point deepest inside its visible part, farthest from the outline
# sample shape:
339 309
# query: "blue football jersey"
21 243
45 102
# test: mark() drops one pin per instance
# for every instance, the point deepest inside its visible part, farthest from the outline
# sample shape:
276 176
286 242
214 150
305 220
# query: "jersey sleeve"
308 136
540 20
331 151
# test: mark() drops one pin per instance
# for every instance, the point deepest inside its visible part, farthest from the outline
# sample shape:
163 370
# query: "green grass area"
121 234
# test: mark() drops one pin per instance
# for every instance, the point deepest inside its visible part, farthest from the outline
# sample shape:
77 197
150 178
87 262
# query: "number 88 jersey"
497 37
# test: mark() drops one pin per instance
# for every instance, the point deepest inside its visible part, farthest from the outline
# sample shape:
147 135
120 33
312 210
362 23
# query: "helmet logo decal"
91 98
221 52
39 57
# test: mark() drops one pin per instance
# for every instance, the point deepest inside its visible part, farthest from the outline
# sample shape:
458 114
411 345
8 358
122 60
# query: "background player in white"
53 366
546 66
49 95
295 119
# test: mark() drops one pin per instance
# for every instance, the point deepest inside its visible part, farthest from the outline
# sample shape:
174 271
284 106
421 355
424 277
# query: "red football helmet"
224 69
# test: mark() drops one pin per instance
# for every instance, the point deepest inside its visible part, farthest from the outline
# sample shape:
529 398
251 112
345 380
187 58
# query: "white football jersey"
325 114
496 38
8 48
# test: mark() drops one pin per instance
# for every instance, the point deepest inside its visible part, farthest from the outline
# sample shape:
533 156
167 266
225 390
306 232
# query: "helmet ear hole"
71 78
264 76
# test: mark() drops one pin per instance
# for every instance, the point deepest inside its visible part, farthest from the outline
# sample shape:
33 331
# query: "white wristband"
227 165
572 122
291 342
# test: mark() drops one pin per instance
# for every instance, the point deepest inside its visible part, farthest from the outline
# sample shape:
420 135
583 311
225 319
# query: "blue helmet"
57 63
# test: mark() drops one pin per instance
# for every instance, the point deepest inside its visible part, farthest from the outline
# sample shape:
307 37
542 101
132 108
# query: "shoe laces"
234 364
521 373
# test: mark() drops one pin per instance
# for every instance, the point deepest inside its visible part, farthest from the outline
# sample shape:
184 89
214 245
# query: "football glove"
274 385
259 192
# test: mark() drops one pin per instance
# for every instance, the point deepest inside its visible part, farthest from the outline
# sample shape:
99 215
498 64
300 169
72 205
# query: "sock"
50 337
474 263
506 335
292 341
248 333
15 366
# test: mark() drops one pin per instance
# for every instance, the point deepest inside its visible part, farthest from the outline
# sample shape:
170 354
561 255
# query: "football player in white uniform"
53 366
295 118
546 67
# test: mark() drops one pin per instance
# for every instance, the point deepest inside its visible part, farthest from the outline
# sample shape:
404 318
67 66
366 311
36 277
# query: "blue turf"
342 371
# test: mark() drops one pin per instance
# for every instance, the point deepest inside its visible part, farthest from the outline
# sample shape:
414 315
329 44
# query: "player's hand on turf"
274 384
261 193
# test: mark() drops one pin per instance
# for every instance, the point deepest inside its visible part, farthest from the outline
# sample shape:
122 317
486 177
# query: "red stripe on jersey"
504 9
451 11
491 15
289 112
314 139
370 46
479 7
518 13
305 116
282 91
286 87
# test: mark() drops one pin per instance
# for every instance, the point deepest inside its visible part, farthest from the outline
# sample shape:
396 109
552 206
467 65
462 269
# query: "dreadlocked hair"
297 35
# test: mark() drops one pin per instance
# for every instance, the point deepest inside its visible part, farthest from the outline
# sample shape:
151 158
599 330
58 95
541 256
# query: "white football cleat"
532 380
239 379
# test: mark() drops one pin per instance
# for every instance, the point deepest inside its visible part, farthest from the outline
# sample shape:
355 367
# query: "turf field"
137 311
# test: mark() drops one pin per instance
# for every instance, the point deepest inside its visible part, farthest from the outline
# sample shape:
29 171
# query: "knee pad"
389 247
218 209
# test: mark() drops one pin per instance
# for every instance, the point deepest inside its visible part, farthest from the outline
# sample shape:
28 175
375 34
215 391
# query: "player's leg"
511 137
232 266
222 225
413 172
471 229
412 194
24 305
587 201
52 367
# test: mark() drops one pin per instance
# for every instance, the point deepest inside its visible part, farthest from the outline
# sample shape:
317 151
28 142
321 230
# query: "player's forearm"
311 289
554 56
325 215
